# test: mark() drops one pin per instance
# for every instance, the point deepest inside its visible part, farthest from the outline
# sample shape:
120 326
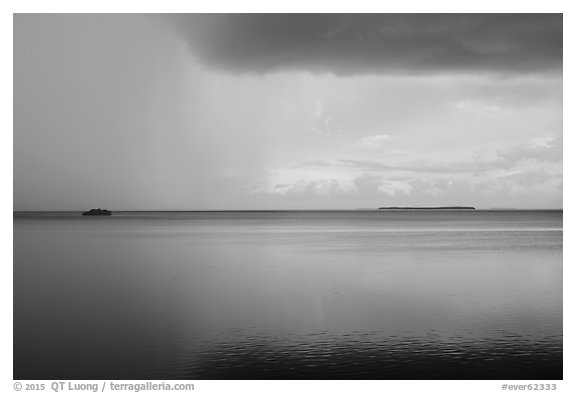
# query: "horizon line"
305 209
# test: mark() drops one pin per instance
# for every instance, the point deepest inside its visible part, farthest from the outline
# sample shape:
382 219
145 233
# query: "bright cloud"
374 141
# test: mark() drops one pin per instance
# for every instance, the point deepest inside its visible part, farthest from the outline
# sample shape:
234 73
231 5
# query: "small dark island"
428 208
97 212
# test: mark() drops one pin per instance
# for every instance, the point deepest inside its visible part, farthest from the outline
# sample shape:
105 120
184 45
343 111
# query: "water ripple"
512 357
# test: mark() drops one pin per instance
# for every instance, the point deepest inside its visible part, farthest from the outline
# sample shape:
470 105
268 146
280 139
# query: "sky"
299 111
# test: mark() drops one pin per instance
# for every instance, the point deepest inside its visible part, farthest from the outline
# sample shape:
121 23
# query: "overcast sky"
287 111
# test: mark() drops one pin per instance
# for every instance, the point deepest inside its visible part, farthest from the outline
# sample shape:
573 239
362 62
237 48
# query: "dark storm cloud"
375 43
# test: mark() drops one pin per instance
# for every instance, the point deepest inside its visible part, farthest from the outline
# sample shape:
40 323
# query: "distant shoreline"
428 208
382 209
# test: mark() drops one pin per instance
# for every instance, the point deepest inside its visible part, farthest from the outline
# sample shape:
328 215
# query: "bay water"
360 294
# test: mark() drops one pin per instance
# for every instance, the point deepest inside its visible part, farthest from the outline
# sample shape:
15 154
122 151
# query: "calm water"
288 295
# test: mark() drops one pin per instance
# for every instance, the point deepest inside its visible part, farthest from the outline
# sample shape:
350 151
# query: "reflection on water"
289 295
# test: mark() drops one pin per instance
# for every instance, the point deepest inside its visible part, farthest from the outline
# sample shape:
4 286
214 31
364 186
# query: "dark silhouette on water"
97 212
428 208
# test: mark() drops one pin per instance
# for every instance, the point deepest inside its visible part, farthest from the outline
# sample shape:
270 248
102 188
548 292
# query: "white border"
564 6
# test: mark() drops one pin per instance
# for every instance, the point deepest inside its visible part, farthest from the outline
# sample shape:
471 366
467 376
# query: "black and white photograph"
288 196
